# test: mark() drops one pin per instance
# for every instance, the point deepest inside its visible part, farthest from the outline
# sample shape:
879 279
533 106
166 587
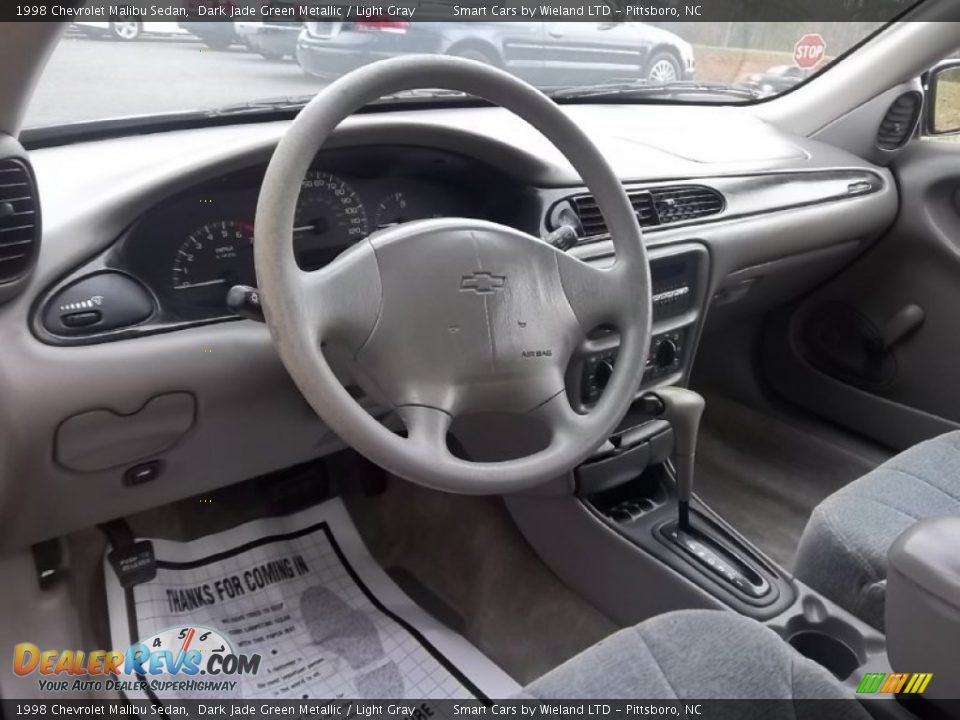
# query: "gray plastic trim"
923 603
103 439
848 131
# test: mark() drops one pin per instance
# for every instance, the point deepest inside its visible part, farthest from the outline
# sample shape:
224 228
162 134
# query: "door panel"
878 347
521 47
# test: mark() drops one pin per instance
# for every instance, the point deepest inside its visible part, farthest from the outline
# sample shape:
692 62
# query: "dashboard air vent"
686 202
901 120
656 206
19 220
592 220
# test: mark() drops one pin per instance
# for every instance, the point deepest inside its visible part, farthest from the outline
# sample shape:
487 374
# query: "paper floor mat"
303 593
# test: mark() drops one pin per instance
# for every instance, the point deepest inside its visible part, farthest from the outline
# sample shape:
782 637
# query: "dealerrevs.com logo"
173 659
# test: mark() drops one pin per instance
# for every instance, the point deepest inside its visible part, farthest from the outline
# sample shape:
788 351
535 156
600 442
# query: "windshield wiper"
420 94
646 89
296 102
256 106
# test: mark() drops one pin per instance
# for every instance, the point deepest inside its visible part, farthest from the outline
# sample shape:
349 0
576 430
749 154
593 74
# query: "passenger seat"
843 550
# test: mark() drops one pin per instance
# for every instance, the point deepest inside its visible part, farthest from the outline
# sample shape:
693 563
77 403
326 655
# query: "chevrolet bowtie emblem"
482 283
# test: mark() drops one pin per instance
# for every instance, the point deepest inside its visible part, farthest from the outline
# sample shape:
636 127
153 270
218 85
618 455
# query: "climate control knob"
666 353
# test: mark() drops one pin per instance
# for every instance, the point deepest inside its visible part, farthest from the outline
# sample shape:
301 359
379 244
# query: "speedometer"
330 217
213 259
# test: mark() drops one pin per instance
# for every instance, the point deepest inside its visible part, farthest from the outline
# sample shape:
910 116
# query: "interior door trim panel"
907 393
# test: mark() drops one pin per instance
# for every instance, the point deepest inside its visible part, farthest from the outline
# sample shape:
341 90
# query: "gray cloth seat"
697 654
843 550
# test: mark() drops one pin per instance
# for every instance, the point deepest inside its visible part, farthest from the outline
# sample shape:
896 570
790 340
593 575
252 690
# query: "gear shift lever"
683 408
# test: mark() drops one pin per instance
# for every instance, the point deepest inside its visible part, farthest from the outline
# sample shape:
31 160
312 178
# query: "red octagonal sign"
809 50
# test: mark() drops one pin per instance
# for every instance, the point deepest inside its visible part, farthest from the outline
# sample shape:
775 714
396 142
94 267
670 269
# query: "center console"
641 489
617 536
626 530
679 276
639 483
637 487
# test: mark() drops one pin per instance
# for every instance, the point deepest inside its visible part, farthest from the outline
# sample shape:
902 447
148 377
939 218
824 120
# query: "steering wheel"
449 317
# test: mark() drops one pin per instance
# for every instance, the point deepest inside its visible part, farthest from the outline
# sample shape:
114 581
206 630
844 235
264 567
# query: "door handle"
903 323
556 33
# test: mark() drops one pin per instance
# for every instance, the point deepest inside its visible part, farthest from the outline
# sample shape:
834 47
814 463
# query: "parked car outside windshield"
136 69
547 54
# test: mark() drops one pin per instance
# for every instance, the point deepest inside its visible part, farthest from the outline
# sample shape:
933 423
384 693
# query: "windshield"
125 64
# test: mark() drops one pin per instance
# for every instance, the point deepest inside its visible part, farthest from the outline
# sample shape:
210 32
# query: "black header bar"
598 11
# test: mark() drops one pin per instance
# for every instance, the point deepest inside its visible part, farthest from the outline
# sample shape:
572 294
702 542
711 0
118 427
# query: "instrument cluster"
191 249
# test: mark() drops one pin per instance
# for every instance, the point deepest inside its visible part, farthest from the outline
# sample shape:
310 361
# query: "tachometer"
330 217
213 259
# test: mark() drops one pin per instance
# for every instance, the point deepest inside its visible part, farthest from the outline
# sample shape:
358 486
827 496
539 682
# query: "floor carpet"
464 559
765 475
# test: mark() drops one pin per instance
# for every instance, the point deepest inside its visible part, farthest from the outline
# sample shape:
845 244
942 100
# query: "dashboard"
178 379
176 263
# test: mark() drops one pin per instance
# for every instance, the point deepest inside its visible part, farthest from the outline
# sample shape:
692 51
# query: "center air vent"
654 207
901 120
685 202
19 220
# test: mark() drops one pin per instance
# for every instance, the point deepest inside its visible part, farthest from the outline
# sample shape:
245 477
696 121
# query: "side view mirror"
943 99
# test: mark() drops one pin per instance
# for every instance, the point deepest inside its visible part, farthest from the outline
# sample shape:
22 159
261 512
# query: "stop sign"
809 50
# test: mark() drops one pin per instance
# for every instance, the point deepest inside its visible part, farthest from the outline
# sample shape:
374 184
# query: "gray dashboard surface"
249 417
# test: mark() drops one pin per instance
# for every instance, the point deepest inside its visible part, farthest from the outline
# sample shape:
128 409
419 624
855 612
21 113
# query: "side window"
943 100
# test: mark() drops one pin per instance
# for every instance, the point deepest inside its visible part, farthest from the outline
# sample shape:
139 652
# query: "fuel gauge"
394 209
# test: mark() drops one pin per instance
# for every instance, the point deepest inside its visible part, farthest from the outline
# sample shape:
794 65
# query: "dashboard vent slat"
900 122
19 220
643 206
654 207
676 204
589 213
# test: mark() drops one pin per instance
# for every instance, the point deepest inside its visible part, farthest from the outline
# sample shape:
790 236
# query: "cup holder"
826 639
826 650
